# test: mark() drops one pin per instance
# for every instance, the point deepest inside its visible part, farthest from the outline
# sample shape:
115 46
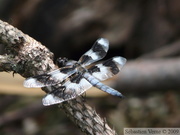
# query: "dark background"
69 28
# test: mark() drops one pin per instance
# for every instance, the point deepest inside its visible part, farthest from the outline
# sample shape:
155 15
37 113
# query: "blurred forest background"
146 32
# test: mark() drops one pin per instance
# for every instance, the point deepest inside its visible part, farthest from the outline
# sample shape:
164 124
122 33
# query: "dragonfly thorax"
79 68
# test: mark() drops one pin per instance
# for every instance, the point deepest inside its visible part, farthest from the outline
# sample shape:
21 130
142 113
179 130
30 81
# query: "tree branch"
26 56
150 75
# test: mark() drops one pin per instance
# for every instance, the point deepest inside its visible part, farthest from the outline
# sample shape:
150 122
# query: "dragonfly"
73 78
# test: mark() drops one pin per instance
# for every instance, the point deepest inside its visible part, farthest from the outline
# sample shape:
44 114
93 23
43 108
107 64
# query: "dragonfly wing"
51 78
108 68
69 90
97 52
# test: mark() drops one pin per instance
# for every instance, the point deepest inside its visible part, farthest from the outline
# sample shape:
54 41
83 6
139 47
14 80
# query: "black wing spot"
93 69
114 68
76 78
44 78
66 70
60 92
56 91
99 49
85 59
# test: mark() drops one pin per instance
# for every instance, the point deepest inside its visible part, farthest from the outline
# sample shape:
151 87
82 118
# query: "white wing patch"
32 83
120 61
